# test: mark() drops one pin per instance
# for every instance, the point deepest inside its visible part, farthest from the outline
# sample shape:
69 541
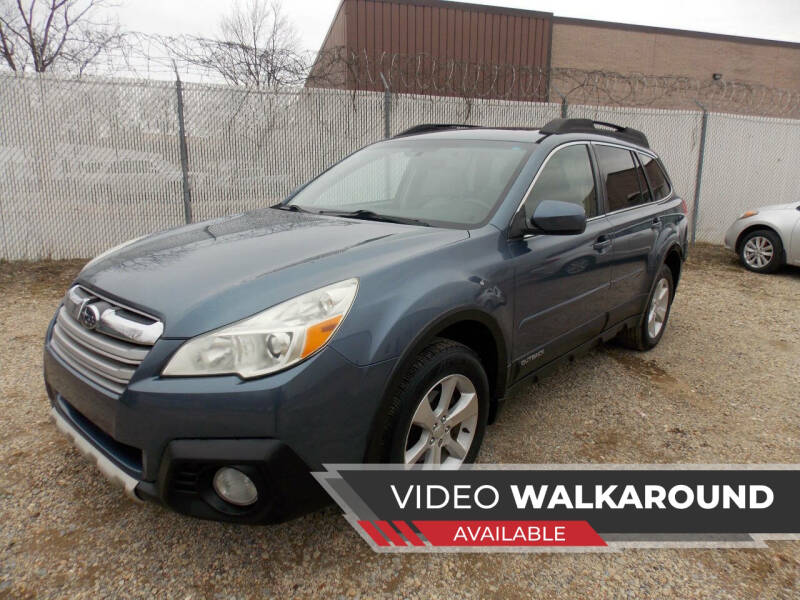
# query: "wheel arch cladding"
473 328
478 337
673 260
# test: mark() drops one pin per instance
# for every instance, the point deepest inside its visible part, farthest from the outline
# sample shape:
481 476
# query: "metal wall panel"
438 31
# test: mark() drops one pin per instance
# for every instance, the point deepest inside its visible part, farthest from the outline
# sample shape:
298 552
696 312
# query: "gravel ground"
721 387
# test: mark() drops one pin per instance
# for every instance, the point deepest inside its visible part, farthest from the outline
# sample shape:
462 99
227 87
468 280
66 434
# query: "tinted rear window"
621 178
655 175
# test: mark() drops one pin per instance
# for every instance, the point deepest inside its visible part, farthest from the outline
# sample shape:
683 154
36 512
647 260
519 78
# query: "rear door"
561 280
636 224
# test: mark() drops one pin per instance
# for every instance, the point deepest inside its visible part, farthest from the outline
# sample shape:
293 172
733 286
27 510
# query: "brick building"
625 48
516 54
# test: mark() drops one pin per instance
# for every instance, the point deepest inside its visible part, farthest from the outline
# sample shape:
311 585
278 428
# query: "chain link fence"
749 162
86 164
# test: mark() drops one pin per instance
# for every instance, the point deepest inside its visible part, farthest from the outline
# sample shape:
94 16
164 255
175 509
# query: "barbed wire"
426 74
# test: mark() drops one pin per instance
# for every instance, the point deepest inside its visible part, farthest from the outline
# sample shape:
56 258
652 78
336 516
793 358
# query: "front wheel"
439 410
654 320
760 251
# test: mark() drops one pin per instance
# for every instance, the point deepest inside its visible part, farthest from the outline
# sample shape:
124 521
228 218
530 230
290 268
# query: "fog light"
235 487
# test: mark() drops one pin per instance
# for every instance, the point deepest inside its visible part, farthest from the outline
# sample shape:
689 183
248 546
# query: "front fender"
783 227
396 304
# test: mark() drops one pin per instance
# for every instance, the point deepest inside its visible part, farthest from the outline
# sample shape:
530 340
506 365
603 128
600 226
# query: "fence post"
700 159
564 105
187 194
387 108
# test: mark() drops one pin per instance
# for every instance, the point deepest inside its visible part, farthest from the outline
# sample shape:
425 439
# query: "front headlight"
272 340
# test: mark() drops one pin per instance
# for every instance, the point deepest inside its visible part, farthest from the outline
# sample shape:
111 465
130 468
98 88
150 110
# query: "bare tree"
256 46
48 34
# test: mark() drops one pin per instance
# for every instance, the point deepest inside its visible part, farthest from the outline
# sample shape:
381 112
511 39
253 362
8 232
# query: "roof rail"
588 126
428 127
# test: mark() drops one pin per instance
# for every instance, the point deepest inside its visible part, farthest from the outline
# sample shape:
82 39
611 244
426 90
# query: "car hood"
202 276
787 206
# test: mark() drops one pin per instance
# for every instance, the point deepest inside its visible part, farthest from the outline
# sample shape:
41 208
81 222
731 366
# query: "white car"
767 238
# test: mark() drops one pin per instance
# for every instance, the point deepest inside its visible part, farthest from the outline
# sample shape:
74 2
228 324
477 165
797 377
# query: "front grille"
101 340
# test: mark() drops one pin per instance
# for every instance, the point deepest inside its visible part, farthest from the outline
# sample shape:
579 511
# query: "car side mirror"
559 218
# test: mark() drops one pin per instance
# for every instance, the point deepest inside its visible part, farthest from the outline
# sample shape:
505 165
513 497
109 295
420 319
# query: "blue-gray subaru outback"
380 313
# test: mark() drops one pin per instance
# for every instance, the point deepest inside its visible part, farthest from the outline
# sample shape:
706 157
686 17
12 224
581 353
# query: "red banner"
509 533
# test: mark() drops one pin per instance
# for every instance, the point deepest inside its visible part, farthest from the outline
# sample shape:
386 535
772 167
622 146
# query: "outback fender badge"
525 361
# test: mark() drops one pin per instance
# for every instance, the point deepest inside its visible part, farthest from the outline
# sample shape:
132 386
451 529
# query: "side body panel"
793 252
642 236
561 290
570 289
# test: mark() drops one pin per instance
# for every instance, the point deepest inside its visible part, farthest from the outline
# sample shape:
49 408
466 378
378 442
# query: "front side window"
655 175
622 177
441 182
567 177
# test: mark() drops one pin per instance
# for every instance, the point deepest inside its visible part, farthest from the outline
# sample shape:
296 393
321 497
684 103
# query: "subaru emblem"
89 316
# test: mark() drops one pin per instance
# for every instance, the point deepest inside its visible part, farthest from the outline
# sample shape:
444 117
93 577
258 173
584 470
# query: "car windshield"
456 183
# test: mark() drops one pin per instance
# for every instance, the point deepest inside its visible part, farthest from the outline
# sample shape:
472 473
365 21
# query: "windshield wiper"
369 215
293 208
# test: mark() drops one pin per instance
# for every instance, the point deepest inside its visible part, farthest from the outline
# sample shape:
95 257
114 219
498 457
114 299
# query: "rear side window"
646 197
567 177
655 175
622 178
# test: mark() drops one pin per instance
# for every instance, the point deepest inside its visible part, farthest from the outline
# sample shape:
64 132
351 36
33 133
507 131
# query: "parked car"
767 238
380 313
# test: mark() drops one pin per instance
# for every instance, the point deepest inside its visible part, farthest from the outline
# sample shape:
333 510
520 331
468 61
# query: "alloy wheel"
758 252
443 426
658 308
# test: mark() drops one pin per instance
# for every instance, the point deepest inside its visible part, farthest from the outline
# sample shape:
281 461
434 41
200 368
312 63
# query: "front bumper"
733 233
285 486
163 438
107 467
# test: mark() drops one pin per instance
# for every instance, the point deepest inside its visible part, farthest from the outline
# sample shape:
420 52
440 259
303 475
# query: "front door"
561 280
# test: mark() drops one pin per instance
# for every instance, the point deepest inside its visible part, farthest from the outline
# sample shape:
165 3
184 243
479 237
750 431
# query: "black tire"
436 361
640 337
776 259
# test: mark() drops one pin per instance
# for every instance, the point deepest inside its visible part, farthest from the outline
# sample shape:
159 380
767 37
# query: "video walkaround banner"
566 507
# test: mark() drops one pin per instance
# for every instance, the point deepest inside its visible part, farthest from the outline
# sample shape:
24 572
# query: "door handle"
656 224
602 243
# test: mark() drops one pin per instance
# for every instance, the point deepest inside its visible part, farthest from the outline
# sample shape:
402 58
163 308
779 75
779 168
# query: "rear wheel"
649 331
439 410
761 251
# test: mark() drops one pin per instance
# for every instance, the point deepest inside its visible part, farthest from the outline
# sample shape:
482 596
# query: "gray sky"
771 19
